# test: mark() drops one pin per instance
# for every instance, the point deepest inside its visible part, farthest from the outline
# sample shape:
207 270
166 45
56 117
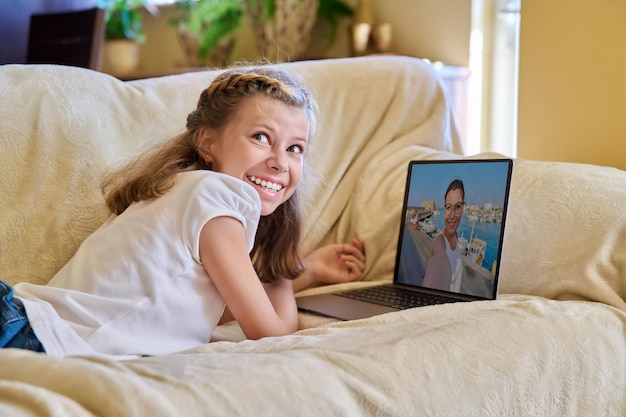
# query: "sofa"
553 343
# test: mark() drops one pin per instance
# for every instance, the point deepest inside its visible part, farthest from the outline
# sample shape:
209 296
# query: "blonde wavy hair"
276 248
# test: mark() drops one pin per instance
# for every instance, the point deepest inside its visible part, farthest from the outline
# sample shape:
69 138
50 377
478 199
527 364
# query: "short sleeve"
219 195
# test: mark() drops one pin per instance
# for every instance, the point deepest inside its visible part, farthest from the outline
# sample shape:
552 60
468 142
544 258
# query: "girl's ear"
205 141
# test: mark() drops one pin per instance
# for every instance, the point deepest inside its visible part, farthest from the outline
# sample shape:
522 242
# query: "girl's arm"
281 296
260 312
332 264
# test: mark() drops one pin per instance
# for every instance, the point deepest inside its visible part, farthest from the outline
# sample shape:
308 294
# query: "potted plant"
123 33
206 29
283 27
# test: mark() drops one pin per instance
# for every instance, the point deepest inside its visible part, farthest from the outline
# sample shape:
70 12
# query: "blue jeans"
15 330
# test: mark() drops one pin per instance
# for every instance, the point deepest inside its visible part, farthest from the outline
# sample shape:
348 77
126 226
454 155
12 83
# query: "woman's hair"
276 248
455 185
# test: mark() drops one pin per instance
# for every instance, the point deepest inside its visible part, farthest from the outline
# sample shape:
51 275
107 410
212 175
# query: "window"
494 54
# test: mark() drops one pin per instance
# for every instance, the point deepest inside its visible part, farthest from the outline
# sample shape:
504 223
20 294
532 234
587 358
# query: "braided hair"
276 251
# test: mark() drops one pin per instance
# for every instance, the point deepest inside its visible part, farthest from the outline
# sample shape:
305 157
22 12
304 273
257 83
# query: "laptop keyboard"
396 297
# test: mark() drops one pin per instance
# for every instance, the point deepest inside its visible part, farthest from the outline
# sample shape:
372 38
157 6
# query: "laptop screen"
452 225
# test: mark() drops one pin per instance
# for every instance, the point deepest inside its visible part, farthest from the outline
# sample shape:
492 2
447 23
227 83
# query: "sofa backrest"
62 128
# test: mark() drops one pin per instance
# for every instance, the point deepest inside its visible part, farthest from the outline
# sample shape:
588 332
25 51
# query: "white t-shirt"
136 285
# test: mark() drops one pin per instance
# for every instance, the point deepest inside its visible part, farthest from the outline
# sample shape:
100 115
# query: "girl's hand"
332 264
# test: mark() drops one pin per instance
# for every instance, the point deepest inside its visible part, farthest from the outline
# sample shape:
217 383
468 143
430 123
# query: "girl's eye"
295 149
261 137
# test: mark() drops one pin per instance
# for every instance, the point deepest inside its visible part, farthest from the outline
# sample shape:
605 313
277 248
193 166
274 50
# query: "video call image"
453 223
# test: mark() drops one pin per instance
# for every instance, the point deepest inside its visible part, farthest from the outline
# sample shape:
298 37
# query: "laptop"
449 245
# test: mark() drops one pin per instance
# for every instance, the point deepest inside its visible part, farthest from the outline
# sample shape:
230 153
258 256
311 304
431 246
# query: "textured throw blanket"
520 356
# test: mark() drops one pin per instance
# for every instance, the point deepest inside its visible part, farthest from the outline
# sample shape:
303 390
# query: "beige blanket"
520 356
523 355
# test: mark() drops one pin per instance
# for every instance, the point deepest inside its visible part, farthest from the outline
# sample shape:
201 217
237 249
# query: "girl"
156 276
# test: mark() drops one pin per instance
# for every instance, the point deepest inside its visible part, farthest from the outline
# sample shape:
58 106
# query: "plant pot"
219 56
286 36
120 56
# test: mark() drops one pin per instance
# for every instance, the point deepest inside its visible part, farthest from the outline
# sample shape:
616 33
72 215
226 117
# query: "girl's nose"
278 161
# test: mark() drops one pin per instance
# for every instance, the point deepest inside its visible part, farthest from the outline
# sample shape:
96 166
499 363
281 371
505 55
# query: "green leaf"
209 21
331 11
124 20
269 9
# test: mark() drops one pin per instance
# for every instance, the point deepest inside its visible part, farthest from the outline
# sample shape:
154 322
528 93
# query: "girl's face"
263 145
453 210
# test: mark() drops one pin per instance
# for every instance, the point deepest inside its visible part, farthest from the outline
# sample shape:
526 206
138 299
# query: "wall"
572 83
435 29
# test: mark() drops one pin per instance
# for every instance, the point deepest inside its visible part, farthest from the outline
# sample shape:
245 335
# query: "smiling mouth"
267 185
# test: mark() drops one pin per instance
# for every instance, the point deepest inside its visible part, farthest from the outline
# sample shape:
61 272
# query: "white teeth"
271 186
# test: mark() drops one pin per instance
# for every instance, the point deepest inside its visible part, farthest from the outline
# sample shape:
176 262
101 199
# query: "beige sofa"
554 343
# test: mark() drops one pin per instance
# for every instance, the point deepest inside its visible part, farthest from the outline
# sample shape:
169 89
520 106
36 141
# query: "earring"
204 155
206 158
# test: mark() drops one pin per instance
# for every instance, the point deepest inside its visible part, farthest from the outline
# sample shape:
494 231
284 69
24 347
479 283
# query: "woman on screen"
445 267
